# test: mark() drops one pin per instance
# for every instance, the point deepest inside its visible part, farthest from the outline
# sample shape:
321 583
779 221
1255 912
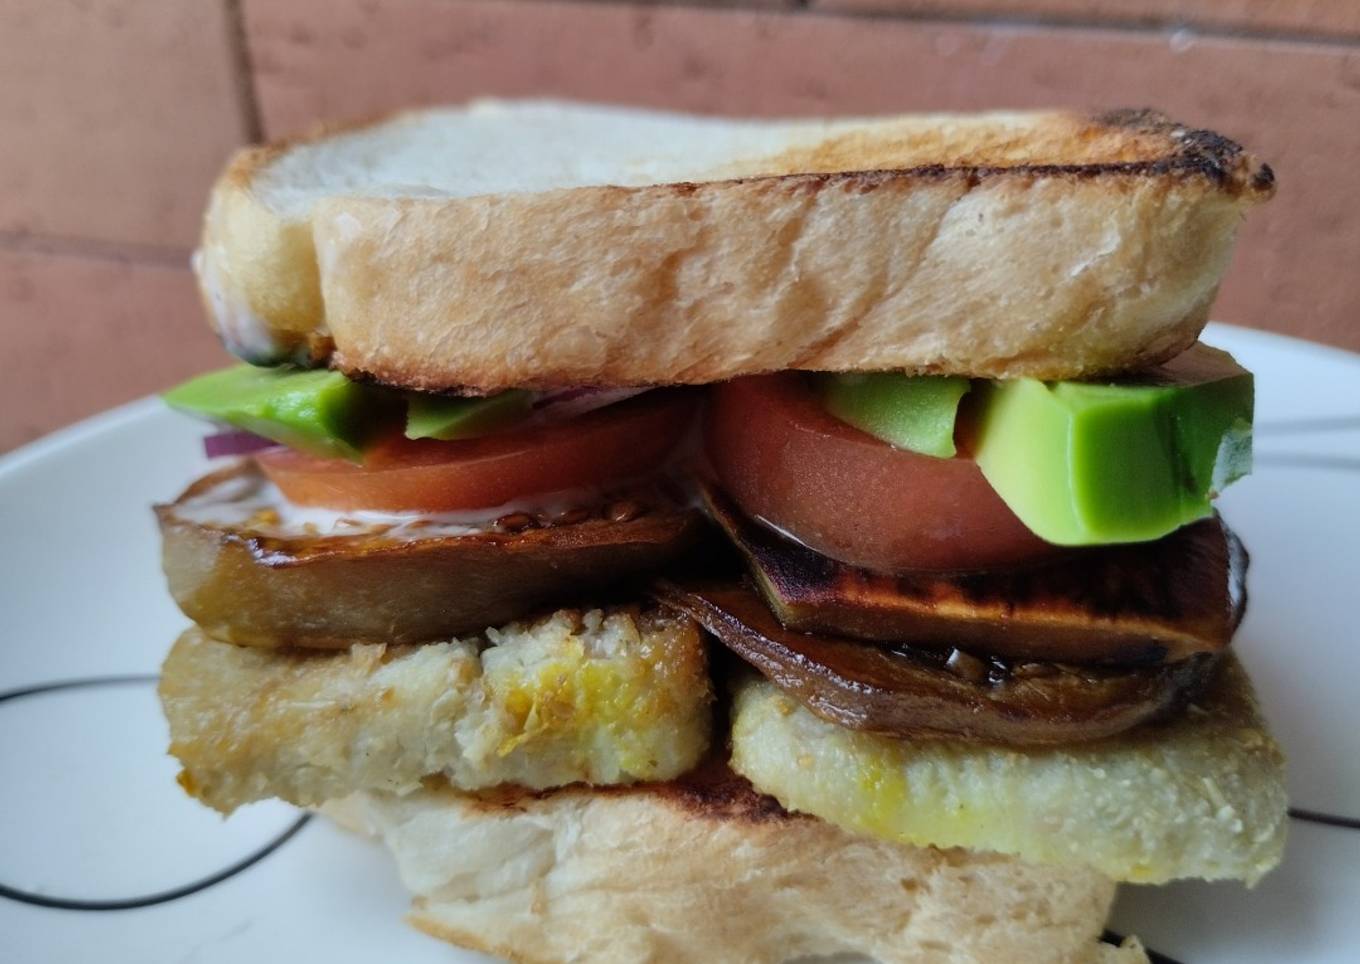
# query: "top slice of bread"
539 244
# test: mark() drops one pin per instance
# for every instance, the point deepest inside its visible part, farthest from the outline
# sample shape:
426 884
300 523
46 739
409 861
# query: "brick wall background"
116 114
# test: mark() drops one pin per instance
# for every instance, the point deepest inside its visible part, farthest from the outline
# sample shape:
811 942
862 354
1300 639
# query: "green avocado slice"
915 412
447 418
318 412
1087 463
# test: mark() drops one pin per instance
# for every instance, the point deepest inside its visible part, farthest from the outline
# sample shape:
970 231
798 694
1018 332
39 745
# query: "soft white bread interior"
704 870
601 697
538 244
1200 796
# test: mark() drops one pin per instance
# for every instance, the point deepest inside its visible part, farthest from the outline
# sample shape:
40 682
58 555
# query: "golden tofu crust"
600 697
1200 796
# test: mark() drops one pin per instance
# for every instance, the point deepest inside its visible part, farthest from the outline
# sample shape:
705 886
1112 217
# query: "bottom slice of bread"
706 869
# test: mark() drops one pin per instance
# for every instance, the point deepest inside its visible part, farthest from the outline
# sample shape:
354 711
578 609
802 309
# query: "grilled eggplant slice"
1140 604
246 581
907 692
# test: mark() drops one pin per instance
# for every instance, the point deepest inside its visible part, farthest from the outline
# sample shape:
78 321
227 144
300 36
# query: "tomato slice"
850 496
626 440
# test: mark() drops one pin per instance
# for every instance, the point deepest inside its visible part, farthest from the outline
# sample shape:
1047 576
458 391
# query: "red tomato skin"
627 440
847 495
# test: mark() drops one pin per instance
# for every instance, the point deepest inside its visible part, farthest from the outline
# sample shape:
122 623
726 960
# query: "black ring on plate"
1110 937
149 900
1326 819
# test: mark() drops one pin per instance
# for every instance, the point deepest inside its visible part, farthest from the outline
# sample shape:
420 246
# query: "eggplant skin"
1200 796
254 589
1130 605
912 693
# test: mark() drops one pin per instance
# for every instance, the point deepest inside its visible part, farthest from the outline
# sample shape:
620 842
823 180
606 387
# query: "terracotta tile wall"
114 118
115 114
85 333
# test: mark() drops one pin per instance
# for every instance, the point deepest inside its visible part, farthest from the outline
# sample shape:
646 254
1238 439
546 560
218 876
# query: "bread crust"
991 258
704 869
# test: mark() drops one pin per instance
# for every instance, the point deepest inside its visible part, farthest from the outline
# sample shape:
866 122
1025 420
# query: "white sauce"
239 501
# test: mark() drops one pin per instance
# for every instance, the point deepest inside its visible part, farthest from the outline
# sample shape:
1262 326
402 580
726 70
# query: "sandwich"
683 539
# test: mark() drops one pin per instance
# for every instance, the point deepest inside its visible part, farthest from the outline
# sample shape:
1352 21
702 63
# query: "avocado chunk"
446 418
321 413
914 412
1087 463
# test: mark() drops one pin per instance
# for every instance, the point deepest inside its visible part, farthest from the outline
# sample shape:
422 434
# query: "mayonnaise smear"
251 501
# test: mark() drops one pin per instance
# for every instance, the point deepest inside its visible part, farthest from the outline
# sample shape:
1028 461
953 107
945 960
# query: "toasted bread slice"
602 697
1202 795
542 244
706 870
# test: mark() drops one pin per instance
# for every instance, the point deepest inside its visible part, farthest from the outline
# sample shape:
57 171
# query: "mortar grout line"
247 97
128 252
1160 27
1148 27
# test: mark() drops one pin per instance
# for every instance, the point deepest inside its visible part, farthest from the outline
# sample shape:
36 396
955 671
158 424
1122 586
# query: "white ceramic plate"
91 819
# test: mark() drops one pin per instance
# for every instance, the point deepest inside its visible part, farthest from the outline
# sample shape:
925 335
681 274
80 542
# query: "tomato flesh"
626 440
850 496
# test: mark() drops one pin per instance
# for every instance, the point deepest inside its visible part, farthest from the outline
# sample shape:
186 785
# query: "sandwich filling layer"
251 567
601 697
1199 796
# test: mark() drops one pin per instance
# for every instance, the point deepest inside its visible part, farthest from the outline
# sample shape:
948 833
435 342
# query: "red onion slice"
235 442
570 402
553 406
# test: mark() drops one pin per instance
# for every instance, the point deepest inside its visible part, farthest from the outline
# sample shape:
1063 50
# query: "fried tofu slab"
601 697
1202 795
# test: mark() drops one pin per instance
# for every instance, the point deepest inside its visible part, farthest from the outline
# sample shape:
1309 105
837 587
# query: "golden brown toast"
542 244
705 869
